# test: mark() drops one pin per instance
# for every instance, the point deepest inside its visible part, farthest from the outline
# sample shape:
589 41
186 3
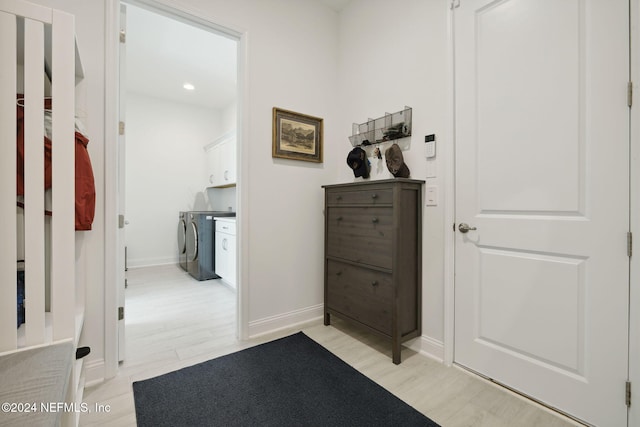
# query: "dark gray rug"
293 381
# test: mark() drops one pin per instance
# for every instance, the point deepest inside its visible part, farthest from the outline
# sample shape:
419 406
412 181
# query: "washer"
182 240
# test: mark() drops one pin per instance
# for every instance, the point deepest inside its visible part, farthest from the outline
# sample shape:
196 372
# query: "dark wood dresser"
373 257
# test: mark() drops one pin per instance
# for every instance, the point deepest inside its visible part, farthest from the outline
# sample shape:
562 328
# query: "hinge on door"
120 313
630 94
627 393
629 244
121 128
123 36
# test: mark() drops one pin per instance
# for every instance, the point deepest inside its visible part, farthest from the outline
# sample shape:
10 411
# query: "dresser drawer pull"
339 218
375 220
374 196
338 197
374 283
339 273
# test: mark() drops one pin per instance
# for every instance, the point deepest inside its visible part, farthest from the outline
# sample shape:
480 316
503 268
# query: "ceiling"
164 53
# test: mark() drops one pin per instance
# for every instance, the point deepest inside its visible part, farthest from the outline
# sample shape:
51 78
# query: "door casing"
111 250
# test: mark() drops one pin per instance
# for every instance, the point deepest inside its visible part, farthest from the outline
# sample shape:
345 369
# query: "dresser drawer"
361 197
362 294
362 235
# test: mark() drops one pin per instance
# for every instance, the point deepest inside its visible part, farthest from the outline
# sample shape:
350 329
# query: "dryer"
200 243
182 240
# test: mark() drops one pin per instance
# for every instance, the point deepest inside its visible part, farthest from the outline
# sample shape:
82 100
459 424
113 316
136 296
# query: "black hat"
357 160
395 162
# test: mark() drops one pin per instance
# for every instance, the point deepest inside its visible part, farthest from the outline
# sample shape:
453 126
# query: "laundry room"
179 98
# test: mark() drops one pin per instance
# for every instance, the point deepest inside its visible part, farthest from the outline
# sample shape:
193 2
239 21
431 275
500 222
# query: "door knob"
464 228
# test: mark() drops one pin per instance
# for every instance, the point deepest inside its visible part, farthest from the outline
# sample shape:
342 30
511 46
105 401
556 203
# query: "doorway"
178 95
542 201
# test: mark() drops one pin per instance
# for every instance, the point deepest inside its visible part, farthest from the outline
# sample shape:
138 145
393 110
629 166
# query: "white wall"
165 173
291 63
296 51
222 199
393 54
229 117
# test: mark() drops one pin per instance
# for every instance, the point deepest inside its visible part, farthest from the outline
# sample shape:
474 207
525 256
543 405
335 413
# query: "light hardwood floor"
174 321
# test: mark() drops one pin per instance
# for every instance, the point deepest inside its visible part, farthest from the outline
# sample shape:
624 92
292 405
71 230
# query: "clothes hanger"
20 102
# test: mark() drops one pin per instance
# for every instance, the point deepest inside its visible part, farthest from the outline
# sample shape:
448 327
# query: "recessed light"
188 86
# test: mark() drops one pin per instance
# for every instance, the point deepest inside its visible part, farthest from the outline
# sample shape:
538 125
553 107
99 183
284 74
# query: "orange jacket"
85 193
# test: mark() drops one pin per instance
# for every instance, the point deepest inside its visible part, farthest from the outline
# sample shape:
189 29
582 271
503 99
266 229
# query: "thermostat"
430 146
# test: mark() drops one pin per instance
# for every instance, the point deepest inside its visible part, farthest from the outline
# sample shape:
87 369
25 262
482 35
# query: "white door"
121 278
542 144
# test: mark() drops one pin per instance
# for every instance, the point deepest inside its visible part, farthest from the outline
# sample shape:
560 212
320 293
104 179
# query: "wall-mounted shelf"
386 128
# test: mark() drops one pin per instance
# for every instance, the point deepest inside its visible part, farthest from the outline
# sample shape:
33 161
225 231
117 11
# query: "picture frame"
297 136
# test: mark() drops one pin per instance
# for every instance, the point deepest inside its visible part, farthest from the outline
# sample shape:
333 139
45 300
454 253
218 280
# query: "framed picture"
297 136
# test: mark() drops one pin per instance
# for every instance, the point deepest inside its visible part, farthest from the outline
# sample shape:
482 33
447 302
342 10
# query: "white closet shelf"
79 69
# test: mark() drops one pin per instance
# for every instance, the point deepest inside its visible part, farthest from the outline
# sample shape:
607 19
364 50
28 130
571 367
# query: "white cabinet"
221 161
226 249
228 164
213 165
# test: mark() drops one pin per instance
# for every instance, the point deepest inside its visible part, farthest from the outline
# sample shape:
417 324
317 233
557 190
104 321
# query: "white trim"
151 262
286 320
189 15
242 190
94 372
634 205
8 157
112 17
429 347
449 201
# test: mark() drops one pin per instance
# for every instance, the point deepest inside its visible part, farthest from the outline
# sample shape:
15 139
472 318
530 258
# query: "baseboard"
286 320
93 372
150 262
429 347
